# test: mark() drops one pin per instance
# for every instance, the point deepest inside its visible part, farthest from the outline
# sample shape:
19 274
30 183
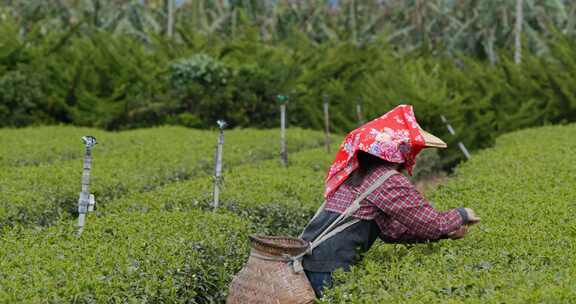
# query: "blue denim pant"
319 281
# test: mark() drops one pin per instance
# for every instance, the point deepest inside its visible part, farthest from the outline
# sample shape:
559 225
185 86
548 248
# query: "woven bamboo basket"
268 276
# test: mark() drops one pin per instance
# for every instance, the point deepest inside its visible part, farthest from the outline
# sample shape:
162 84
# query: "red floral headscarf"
394 137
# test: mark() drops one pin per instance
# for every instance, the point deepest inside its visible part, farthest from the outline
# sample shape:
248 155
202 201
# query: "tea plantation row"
163 245
524 251
125 162
276 199
34 146
157 257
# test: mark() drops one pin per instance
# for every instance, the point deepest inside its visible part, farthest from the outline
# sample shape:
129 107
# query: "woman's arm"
403 204
400 234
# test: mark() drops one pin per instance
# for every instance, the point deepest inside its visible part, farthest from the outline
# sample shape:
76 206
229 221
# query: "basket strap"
314 217
332 229
332 233
317 212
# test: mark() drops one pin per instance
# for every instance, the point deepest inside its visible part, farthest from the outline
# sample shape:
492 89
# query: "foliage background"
123 64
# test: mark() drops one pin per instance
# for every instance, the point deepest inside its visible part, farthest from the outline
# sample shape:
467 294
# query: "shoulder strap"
318 211
336 227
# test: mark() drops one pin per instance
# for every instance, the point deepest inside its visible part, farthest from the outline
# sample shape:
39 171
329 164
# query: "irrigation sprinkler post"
359 103
86 200
283 100
327 123
218 166
451 130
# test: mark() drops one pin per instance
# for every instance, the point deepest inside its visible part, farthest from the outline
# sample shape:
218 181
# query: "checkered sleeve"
406 207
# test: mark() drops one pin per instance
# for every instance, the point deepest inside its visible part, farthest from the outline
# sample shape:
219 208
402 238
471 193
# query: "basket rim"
268 241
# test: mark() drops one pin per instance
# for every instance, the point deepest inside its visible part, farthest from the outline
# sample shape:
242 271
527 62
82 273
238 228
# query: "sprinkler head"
89 141
221 124
281 98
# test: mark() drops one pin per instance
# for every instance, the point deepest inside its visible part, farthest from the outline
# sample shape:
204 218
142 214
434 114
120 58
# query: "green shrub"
136 161
162 245
198 69
166 257
42 145
275 199
23 102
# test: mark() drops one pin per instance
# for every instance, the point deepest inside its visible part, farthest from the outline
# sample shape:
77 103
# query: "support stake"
86 201
218 166
451 130
283 100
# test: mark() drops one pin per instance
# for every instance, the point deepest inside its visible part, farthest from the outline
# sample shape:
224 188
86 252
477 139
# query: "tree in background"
441 26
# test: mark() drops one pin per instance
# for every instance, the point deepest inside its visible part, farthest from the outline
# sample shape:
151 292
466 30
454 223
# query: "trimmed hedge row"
276 199
153 247
44 193
41 145
524 251
157 257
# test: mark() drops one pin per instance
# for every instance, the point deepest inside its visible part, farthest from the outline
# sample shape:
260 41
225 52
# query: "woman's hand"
458 233
472 217
461 232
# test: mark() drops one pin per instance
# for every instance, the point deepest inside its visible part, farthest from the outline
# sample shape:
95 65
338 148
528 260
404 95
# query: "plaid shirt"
400 211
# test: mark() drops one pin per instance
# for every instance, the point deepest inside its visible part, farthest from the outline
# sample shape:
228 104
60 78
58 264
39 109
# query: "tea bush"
158 257
137 161
276 199
522 252
48 144
34 146
162 245
124 256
